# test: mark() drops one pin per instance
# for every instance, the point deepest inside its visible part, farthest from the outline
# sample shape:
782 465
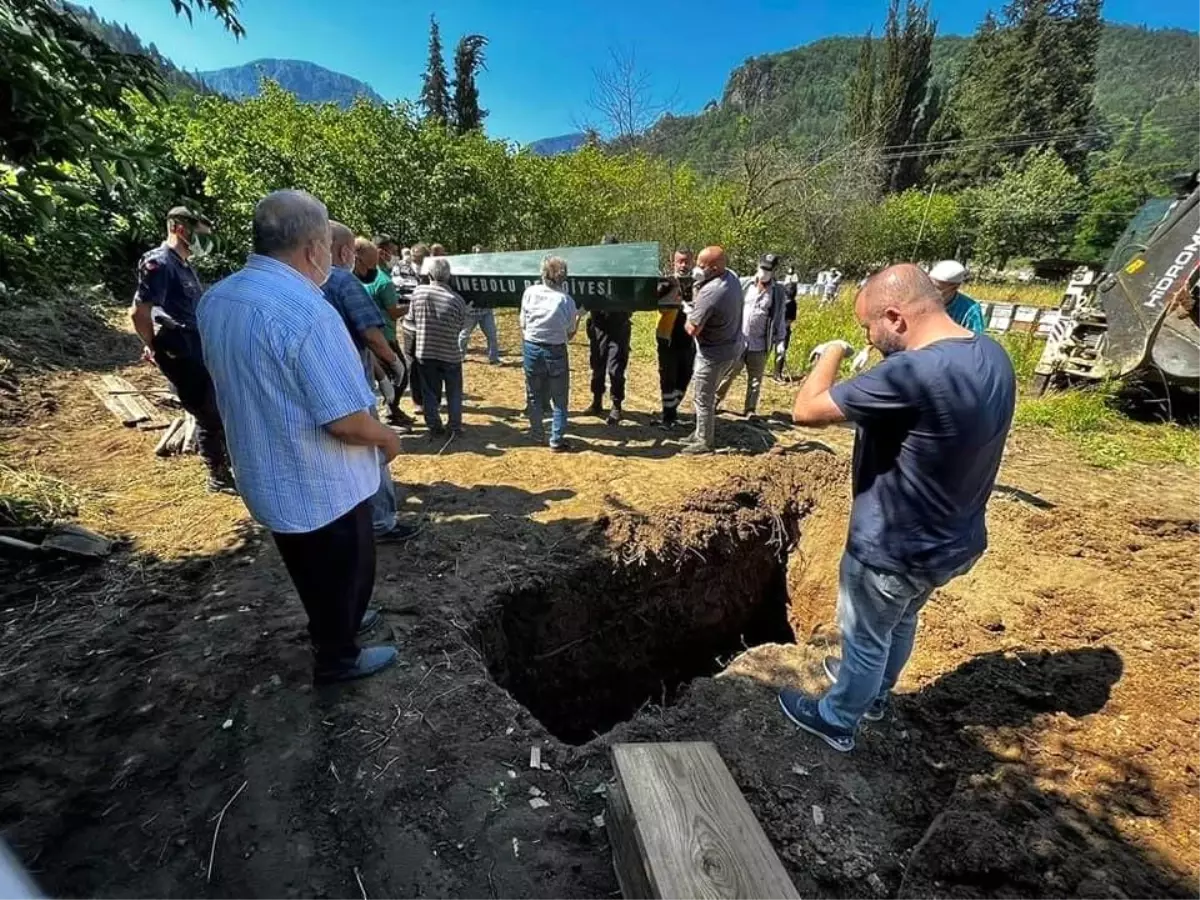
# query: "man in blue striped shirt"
295 404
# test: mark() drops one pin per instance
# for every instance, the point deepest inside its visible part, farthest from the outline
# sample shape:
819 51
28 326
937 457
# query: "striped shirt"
284 366
436 315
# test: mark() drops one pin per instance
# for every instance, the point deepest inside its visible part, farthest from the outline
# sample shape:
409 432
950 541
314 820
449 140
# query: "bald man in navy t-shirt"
931 421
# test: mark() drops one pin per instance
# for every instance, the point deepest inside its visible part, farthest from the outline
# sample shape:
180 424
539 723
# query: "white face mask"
765 275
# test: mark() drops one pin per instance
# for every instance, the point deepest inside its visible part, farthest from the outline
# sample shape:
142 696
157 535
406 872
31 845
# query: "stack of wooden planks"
180 436
129 404
679 827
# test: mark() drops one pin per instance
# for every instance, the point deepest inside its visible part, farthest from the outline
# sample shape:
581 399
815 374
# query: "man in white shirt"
549 319
764 302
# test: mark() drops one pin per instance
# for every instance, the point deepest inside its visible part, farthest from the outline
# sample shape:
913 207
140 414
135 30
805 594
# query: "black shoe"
596 409
560 447
221 483
399 534
614 416
369 661
370 619
438 432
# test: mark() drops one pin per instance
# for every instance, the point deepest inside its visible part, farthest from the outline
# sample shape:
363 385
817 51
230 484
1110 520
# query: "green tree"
435 94
860 95
1026 81
468 61
903 89
1027 211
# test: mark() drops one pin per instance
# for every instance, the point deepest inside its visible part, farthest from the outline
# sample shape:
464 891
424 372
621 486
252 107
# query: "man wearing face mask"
364 322
164 317
676 348
931 421
305 448
715 321
764 303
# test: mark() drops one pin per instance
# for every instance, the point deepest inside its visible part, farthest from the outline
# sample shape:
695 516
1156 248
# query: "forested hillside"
120 37
800 94
308 81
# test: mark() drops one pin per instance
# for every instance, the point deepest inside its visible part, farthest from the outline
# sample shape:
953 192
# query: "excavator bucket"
1148 298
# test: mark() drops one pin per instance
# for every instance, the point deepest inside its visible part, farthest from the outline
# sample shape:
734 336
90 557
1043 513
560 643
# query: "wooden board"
679 827
115 405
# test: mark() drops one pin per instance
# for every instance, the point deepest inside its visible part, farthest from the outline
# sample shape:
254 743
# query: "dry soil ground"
1044 742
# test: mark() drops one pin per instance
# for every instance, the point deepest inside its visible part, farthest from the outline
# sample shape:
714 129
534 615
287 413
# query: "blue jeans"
877 614
547 382
486 320
383 501
435 375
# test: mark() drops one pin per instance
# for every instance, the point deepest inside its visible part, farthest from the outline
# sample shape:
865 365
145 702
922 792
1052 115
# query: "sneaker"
802 710
538 437
879 706
398 418
596 409
369 661
399 534
695 448
560 447
221 483
494 362
614 416
370 619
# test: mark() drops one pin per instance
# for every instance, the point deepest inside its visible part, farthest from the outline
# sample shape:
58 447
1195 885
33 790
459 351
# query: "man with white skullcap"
948 276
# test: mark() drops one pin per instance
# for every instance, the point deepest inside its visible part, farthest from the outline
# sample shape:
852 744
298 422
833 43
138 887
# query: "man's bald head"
712 259
903 286
896 306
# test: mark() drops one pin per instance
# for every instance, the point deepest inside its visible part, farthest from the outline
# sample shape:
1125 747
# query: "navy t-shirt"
931 429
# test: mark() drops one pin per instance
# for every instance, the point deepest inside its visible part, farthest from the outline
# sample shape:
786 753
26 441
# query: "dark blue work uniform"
168 284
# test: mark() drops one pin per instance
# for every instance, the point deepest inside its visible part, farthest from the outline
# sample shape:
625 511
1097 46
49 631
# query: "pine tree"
435 96
860 95
903 87
468 60
1026 81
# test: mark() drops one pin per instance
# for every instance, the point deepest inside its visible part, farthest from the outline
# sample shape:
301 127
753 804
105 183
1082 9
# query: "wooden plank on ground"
679 827
113 404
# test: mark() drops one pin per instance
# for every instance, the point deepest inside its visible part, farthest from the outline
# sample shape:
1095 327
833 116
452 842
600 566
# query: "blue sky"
542 52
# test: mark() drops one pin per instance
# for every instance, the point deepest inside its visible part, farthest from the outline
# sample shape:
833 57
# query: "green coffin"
603 277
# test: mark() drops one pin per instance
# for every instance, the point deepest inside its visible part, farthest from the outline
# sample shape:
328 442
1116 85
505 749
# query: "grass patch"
1088 418
1047 295
30 499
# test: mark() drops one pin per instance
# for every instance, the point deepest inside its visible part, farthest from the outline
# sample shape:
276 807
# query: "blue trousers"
877 614
486 320
547 383
383 501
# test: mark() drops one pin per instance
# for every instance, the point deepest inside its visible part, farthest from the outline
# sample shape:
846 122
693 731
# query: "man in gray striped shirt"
436 315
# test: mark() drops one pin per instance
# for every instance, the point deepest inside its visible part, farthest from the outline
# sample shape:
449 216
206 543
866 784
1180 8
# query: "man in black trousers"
609 333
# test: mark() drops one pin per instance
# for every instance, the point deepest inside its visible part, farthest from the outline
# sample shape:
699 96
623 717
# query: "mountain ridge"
310 82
